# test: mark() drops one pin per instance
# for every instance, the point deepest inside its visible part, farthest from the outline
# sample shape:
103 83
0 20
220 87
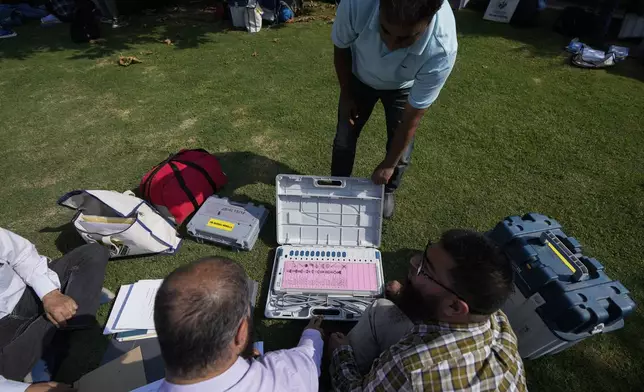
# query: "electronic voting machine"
328 263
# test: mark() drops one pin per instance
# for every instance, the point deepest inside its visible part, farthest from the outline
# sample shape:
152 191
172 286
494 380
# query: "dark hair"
197 313
483 275
409 12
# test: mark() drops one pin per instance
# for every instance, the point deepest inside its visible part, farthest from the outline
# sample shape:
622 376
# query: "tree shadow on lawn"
540 41
591 371
186 27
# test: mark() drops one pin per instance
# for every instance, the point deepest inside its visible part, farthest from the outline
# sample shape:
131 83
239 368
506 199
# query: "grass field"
516 129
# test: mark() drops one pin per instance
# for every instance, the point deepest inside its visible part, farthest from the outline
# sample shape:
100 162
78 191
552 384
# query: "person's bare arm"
402 137
343 65
343 68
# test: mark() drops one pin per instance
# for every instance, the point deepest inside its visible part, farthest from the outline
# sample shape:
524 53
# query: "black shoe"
390 204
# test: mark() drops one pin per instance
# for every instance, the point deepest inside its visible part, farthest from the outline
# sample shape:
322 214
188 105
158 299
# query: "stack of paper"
132 316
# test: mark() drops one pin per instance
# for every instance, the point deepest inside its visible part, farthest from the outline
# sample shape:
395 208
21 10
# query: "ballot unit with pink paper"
329 263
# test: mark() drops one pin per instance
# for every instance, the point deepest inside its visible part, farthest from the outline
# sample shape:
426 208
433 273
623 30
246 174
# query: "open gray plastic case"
330 223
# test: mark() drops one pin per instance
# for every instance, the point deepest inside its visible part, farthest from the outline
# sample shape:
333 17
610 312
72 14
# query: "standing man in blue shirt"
399 52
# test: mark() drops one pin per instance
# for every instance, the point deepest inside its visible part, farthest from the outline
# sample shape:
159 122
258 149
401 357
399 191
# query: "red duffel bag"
183 182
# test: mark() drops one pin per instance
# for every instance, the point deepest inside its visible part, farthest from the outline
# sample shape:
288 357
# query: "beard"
417 307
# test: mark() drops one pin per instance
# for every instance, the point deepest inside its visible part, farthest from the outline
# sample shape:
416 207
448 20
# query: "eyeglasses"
420 271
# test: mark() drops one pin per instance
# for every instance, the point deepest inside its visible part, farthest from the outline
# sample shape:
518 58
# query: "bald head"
197 312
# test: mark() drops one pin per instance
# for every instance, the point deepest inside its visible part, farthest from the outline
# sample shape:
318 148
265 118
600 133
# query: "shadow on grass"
540 41
242 168
246 168
68 239
186 27
591 371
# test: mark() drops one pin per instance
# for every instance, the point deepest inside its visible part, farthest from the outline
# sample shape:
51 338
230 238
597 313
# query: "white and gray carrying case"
228 223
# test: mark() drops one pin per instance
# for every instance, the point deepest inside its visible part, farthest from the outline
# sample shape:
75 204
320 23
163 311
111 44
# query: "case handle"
329 183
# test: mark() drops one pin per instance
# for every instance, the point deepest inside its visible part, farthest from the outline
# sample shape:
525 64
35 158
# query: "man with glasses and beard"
440 331
203 322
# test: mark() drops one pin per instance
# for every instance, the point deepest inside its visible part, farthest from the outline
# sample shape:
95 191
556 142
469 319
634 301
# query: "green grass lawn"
516 129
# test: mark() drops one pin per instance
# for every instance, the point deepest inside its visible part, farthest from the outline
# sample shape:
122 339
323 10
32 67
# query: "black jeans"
346 136
26 334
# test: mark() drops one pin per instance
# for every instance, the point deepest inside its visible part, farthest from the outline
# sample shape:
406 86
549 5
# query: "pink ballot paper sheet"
307 275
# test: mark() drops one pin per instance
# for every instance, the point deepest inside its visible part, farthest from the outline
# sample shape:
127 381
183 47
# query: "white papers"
133 308
138 312
110 327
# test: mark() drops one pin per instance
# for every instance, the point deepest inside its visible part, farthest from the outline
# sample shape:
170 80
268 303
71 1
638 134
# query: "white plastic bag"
501 10
125 224
254 23
247 17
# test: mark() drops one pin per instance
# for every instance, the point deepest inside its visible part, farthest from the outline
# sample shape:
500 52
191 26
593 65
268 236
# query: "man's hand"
392 290
316 324
59 308
382 174
49 387
337 340
349 106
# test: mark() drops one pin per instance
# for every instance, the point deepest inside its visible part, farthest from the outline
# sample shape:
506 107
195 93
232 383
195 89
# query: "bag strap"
173 158
148 181
182 184
202 171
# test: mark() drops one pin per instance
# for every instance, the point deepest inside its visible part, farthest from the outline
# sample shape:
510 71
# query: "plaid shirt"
440 357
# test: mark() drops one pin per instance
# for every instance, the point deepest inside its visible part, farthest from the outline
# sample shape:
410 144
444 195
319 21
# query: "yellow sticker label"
563 259
219 224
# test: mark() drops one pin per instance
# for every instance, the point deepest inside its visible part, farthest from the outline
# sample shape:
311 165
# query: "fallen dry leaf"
168 42
97 41
129 60
255 54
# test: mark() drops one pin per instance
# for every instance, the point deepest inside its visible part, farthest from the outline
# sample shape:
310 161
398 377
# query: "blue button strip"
317 253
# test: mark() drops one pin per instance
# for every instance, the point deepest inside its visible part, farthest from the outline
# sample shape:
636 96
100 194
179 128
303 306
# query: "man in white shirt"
203 321
40 302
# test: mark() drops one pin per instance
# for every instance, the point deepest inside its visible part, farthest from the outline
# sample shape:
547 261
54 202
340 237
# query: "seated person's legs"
81 273
24 334
382 325
27 332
